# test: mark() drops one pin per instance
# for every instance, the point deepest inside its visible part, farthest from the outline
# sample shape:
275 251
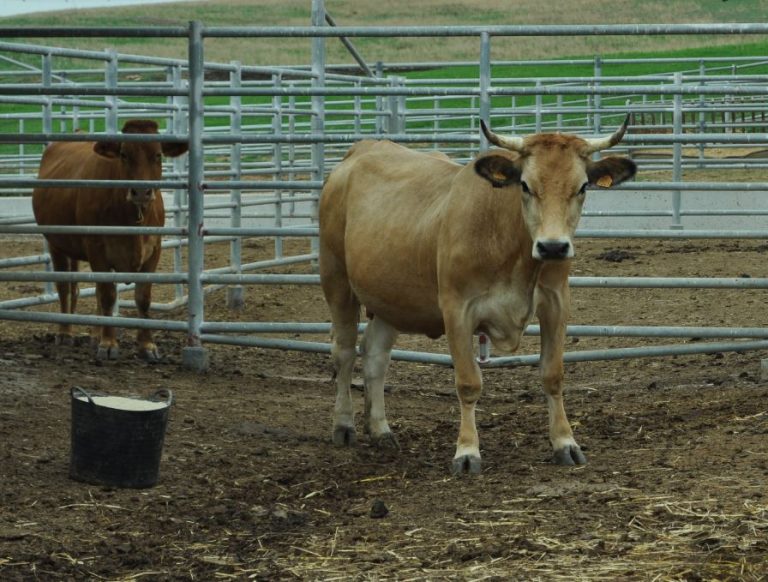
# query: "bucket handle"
82 391
163 393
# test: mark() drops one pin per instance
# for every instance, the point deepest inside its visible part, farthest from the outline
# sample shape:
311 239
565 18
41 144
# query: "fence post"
75 118
318 109
22 150
727 119
402 111
358 125
473 106
291 150
235 292
180 122
677 150
651 116
598 98
277 160
392 119
194 356
378 118
436 123
47 83
702 113
47 79
110 80
485 84
539 105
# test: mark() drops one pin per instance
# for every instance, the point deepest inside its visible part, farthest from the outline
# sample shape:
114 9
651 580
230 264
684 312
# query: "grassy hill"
406 12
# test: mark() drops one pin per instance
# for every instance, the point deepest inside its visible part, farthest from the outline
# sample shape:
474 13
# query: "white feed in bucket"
123 403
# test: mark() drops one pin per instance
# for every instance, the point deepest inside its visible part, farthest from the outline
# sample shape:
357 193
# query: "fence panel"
262 140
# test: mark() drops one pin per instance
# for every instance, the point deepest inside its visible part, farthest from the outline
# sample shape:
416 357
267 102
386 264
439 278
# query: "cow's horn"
603 143
511 143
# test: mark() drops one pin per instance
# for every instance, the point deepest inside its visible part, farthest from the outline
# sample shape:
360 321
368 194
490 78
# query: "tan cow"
429 246
121 206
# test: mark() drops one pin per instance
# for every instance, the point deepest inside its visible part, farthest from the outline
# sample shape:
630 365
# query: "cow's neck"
526 271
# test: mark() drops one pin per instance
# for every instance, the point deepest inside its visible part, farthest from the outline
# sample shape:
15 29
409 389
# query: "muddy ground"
251 487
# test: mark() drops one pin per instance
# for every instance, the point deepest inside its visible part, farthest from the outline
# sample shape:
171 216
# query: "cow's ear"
173 150
610 171
498 170
108 149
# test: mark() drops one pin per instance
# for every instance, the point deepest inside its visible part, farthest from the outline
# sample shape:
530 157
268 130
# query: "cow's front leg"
468 388
147 347
67 291
553 308
377 347
106 295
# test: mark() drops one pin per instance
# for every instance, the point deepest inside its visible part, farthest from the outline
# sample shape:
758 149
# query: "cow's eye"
583 189
525 187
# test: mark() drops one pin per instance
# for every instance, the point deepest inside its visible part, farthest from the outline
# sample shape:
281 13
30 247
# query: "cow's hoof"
107 353
569 456
386 442
344 436
150 354
466 465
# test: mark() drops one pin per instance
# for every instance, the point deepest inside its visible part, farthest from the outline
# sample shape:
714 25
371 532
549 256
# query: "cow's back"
380 216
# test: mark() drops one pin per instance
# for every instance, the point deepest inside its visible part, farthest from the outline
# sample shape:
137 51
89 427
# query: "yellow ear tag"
605 181
499 177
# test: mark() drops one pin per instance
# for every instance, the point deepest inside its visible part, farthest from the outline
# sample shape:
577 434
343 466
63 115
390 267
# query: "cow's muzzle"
553 250
141 197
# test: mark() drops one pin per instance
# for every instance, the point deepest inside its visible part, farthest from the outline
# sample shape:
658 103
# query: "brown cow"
120 206
429 246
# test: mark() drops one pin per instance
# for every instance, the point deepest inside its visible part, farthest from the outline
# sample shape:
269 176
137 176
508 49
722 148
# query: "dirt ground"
252 488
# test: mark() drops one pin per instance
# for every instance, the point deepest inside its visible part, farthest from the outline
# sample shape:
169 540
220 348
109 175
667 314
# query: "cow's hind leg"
377 347
345 315
67 291
343 352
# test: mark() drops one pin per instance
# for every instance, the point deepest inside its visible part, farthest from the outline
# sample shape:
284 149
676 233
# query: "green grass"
470 74
536 70
404 12
368 12
756 49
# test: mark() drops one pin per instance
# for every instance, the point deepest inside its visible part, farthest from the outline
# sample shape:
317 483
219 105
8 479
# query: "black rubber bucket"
118 441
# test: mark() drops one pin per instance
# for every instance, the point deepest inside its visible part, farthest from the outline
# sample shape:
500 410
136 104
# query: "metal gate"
263 138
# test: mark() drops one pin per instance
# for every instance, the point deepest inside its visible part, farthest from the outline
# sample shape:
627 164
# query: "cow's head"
139 160
553 171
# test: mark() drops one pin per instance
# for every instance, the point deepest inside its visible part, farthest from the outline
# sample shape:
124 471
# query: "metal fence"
263 138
